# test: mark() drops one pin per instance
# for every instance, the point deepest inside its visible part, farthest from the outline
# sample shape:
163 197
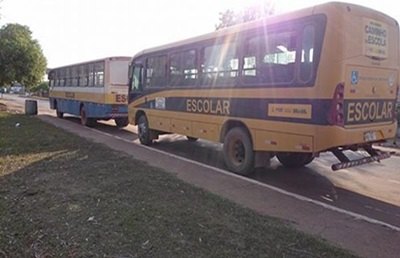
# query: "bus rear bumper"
345 162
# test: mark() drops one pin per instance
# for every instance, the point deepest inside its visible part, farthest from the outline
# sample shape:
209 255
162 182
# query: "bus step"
376 155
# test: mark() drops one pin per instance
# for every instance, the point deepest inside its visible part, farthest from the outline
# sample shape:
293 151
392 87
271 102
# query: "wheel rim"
237 152
142 130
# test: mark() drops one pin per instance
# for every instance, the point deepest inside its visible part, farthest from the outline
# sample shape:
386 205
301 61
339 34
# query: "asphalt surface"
367 194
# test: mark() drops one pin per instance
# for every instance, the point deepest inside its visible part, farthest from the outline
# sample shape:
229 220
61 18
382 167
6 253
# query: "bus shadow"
314 181
109 127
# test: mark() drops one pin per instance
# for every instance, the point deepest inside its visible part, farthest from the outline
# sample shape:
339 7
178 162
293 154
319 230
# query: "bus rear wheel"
294 159
90 122
121 121
144 132
238 151
59 114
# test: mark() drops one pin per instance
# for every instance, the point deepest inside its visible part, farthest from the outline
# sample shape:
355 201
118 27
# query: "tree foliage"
21 57
251 13
43 86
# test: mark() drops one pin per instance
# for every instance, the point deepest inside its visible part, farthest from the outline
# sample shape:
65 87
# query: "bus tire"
294 159
121 121
89 122
59 113
191 139
238 151
144 132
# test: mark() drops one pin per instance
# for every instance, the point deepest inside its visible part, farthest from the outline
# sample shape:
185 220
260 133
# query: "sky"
72 31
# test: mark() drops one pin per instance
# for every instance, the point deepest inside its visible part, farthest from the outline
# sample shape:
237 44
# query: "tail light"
336 112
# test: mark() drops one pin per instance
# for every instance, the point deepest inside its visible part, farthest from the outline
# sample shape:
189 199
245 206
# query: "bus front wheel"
238 151
144 132
294 159
121 121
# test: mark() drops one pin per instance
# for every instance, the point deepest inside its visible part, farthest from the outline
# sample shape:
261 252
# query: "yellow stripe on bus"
100 98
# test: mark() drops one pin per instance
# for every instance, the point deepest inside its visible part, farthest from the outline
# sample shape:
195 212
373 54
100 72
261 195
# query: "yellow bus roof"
322 8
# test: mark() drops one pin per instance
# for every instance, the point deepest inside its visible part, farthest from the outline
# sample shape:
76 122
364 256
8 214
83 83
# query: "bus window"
137 78
83 76
57 78
99 74
62 77
220 64
75 76
307 53
270 58
156 71
183 69
91 75
249 71
278 58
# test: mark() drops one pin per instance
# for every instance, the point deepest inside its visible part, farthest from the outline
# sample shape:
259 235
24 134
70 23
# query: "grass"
63 196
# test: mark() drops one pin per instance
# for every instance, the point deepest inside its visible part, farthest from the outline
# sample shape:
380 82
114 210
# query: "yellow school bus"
293 85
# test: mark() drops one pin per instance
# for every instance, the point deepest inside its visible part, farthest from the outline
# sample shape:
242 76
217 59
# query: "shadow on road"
312 181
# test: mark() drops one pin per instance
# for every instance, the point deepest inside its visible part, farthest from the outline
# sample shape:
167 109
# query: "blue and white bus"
94 90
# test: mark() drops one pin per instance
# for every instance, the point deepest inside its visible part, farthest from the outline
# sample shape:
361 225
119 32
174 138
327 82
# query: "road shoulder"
342 229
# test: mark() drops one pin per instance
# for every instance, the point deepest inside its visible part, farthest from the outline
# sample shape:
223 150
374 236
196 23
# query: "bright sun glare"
280 6
238 5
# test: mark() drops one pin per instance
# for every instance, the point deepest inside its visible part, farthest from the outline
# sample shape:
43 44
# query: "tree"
21 57
41 88
229 17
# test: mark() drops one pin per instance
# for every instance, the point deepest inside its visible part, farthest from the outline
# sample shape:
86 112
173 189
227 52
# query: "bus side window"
307 54
83 75
249 70
278 58
91 75
99 74
137 78
220 64
156 72
183 68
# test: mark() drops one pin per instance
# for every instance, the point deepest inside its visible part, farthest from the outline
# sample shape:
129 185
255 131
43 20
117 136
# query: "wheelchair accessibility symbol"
354 77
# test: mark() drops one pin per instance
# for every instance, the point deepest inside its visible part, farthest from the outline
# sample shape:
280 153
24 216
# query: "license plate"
370 136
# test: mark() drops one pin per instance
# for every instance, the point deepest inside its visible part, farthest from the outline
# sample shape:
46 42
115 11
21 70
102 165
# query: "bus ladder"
345 162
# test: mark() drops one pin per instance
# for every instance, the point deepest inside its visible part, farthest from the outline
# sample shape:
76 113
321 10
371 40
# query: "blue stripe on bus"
252 108
93 110
355 111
